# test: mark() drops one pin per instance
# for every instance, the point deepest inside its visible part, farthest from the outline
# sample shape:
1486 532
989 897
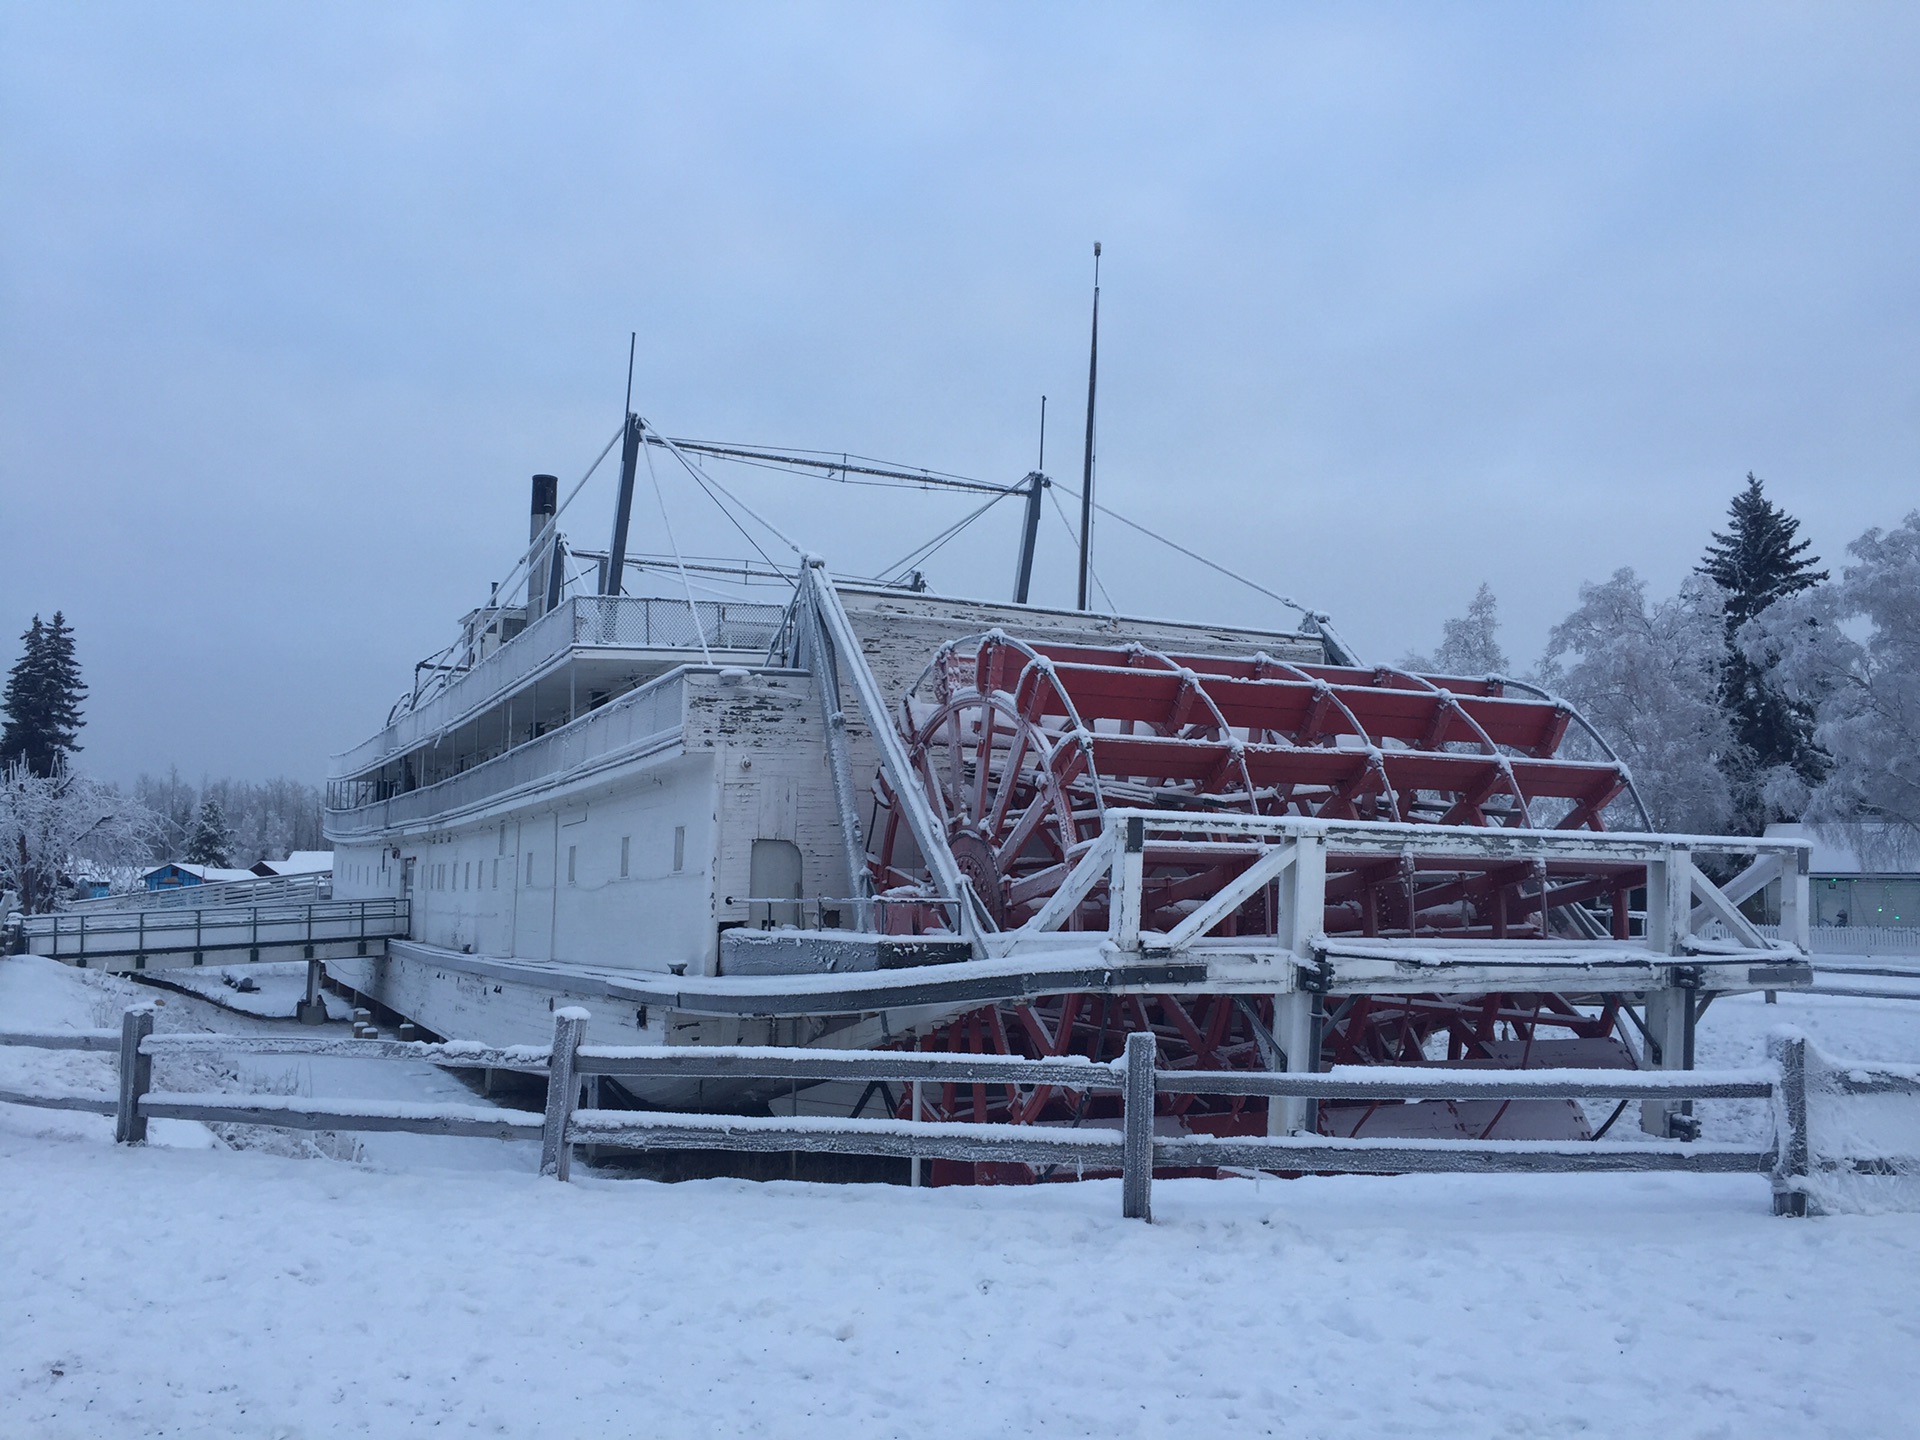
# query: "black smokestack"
546 499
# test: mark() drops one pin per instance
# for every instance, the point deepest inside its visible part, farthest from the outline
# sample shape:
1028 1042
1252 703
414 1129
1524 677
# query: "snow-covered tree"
42 699
1469 644
266 818
1866 692
1757 562
54 826
212 841
1648 679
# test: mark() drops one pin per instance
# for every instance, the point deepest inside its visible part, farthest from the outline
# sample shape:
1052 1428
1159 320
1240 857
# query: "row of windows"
458 875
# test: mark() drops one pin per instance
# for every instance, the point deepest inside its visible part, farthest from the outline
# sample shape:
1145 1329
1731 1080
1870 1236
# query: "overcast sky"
1396 300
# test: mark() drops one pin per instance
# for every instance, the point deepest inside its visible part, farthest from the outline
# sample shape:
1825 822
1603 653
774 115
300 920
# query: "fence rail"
1132 1150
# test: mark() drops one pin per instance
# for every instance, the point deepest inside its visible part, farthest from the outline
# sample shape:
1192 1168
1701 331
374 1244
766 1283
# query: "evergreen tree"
1757 561
212 840
42 699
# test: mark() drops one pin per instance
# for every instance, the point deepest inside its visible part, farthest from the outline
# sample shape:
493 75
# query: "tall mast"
1030 525
1086 475
614 579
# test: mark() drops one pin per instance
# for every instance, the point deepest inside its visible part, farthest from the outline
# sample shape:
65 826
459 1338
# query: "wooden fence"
1133 1151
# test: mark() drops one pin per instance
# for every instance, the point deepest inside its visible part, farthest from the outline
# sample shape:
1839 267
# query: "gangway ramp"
175 935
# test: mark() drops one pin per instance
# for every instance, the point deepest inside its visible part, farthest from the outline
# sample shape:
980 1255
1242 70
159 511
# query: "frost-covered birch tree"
1469 644
1850 651
1648 679
52 826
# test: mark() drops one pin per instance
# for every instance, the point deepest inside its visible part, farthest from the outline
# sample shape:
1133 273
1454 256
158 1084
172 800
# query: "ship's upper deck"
585 651
598 676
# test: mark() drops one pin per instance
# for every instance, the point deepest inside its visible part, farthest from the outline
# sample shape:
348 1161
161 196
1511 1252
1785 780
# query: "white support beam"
1764 870
826 684
1796 901
1666 1011
928 833
1714 905
1128 890
1234 894
1669 900
1303 914
1084 876
1294 1029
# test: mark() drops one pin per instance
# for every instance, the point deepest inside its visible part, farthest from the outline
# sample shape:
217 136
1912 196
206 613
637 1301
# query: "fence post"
569 1028
136 1075
1791 1152
1136 1183
918 1112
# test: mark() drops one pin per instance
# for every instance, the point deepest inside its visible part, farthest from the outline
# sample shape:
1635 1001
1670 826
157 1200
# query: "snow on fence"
1847 1135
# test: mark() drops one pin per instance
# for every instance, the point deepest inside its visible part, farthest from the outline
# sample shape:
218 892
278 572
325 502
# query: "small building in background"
299 862
176 873
1852 892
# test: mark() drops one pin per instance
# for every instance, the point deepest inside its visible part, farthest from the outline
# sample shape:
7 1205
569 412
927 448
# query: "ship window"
529 867
626 853
679 848
468 882
496 874
573 852
503 839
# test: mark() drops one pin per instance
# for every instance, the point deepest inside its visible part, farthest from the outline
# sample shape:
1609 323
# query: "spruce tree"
211 838
42 699
1756 561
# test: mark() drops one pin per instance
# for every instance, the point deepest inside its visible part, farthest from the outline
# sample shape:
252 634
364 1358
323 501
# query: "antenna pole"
1042 463
1086 477
613 579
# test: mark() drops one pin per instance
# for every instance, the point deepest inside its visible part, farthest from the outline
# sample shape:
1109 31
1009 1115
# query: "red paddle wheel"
1021 749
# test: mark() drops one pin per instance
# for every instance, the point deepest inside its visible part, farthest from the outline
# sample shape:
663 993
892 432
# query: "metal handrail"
582 621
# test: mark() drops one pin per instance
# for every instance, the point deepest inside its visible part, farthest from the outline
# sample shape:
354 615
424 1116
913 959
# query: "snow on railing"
631 725
1813 1100
598 621
1289 853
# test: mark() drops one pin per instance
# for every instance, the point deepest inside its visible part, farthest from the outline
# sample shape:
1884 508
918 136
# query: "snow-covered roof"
299 862
1840 855
210 874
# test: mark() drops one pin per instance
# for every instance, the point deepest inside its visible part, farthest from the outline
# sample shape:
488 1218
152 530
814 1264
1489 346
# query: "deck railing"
616 621
1133 1151
651 715
182 936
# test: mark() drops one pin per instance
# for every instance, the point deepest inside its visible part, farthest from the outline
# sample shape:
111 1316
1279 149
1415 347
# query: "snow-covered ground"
193 1291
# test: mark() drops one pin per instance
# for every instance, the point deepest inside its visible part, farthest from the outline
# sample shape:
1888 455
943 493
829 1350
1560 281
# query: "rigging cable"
701 476
1288 601
930 548
734 521
699 629
1074 540
546 530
